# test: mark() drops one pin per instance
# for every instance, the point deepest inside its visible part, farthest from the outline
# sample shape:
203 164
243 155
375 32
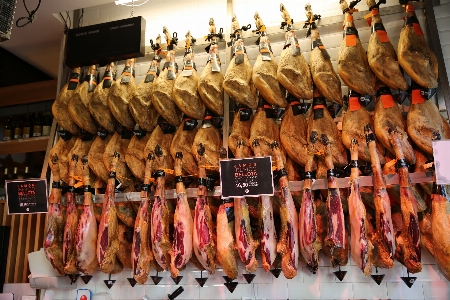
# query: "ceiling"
39 43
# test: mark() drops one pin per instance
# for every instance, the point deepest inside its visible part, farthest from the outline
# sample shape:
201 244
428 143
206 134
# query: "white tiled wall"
194 15
442 14
430 284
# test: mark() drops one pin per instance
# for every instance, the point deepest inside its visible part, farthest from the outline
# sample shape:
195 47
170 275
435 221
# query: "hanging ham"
181 251
53 242
86 238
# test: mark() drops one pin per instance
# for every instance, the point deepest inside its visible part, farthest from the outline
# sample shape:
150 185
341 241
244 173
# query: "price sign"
246 177
26 196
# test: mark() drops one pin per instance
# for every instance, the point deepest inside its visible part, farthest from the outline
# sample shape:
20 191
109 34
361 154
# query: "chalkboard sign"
246 177
26 196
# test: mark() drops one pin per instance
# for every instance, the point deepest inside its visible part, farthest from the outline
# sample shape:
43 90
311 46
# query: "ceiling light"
131 2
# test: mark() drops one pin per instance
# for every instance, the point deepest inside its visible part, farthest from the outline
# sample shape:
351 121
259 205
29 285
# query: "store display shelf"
24 145
296 186
28 93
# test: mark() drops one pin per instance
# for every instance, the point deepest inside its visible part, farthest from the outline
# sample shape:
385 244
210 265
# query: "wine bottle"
4 178
15 175
26 130
37 126
7 132
17 128
47 125
26 174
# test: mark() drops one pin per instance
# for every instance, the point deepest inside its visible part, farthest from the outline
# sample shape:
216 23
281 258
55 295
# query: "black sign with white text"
26 196
246 177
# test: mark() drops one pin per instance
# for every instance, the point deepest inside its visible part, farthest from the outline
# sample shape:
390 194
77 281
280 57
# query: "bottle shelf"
24 145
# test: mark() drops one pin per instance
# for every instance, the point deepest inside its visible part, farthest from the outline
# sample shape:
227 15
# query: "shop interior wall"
194 15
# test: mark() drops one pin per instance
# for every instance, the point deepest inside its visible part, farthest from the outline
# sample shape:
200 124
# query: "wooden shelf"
28 93
24 145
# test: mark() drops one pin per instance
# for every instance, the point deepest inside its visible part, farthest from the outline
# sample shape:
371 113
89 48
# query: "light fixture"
130 2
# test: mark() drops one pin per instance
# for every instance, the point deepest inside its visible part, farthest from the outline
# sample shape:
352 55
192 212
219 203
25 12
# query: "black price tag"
73 81
351 31
318 43
247 177
26 196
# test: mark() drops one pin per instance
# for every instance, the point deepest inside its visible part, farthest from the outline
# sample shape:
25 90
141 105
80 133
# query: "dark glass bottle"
4 178
7 132
15 175
26 174
37 125
17 128
27 127
47 125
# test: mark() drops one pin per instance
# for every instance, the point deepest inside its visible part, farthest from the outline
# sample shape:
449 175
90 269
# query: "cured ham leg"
288 244
53 243
310 244
86 238
240 130
226 250
408 250
62 149
141 253
265 75
323 74
238 82
69 252
203 239
440 222
381 54
353 66
160 216
414 55
388 115
245 243
336 235
108 236
356 115
60 106
268 233
181 251
360 245
383 239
